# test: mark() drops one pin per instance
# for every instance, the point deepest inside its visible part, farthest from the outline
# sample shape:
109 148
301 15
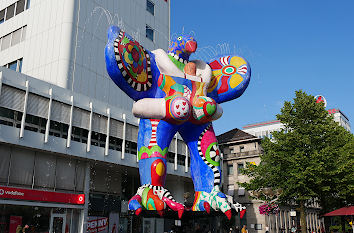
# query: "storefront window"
14 218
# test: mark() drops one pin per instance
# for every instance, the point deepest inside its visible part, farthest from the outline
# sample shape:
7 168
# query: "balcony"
244 154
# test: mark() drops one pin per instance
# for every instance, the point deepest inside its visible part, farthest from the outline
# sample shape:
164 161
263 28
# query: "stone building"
239 148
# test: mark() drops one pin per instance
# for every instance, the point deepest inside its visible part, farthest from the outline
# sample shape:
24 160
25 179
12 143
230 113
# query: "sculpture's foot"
217 201
153 197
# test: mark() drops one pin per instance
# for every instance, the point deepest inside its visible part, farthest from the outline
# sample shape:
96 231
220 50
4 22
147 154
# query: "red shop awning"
349 210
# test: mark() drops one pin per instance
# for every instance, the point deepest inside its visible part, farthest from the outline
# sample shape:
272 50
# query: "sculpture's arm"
230 78
130 66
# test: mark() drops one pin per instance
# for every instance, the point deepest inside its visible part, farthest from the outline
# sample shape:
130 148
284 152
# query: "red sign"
38 195
321 99
97 224
332 111
15 221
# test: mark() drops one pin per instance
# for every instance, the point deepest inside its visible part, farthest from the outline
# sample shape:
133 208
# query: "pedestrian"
244 229
25 228
198 229
18 229
267 230
237 229
293 229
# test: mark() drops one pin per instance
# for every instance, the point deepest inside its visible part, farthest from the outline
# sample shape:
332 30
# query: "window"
10 11
6 42
24 29
115 143
150 7
149 33
13 65
239 168
230 190
20 6
28 4
242 148
98 139
241 192
2 16
19 66
230 169
13 10
258 226
16 37
13 38
170 157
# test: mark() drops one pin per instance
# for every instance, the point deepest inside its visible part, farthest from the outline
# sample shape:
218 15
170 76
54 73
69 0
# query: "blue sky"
290 45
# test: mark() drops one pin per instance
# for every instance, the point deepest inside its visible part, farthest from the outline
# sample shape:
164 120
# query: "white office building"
68 146
265 129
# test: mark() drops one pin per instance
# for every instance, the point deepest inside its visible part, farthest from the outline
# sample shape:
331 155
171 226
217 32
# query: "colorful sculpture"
173 95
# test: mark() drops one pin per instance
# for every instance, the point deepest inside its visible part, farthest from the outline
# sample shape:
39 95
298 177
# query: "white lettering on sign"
97 225
12 193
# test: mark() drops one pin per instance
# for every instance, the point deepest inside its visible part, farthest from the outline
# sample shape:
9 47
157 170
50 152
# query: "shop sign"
97 224
321 99
15 221
39 195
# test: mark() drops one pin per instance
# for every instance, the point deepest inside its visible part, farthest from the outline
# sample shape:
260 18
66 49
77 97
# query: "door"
57 223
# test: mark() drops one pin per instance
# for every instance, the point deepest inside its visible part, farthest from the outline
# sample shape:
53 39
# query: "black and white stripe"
158 190
133 83
214 168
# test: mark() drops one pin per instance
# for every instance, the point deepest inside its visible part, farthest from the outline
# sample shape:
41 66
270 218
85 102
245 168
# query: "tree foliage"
311 159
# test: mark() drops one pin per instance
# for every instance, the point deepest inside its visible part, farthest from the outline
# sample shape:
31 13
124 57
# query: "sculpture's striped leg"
153 142
205 168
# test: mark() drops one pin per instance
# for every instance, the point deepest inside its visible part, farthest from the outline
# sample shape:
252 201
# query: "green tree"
311 159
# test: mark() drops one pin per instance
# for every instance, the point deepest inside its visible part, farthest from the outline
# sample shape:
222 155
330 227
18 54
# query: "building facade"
68 140
265 129
240 148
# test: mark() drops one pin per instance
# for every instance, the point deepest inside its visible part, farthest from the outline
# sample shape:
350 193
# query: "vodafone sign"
320 98
38 195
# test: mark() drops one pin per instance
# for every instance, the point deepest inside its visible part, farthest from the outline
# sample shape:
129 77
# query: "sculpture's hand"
129 64
230 78
153 197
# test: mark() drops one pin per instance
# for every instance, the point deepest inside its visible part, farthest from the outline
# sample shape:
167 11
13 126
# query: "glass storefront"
35 219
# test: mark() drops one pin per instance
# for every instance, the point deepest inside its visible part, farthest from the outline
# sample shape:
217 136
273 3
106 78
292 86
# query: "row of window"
13 38
15 65
14 9
40 170
57 129
149 31
230 168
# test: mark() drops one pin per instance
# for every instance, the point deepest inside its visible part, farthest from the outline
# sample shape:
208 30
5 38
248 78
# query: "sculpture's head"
182 47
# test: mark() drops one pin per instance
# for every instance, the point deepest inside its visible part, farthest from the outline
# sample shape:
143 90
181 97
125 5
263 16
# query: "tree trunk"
303 217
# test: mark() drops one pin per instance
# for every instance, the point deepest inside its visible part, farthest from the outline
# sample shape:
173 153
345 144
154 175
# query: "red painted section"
215 65
156 178
224 85
14 222
39 195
